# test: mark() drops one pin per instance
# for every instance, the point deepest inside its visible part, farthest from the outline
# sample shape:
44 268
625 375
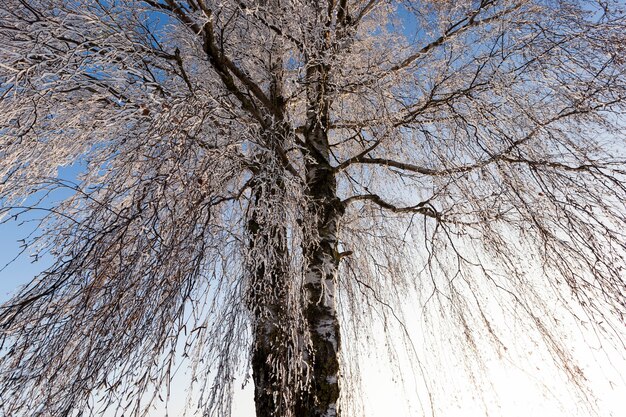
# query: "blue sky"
17 267
21 270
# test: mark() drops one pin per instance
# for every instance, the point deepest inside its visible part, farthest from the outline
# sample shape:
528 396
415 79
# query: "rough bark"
321 276
320 310
271 341
273 344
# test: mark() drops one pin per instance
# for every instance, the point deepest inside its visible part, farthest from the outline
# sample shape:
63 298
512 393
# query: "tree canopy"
261 184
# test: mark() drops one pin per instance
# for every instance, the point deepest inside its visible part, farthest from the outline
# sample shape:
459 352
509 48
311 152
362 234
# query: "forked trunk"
273 344
274 348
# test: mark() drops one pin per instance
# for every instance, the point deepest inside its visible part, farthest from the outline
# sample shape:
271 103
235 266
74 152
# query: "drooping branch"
424 207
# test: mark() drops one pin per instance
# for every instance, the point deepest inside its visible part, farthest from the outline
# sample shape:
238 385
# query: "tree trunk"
320 307
273 348
267 301
270 349
273 345
321 276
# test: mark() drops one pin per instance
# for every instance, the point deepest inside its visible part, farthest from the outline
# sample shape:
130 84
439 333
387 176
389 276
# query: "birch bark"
323 260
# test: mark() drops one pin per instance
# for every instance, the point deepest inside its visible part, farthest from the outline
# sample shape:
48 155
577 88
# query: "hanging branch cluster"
248 178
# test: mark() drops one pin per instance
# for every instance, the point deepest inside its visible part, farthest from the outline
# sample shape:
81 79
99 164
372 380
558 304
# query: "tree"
254 180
